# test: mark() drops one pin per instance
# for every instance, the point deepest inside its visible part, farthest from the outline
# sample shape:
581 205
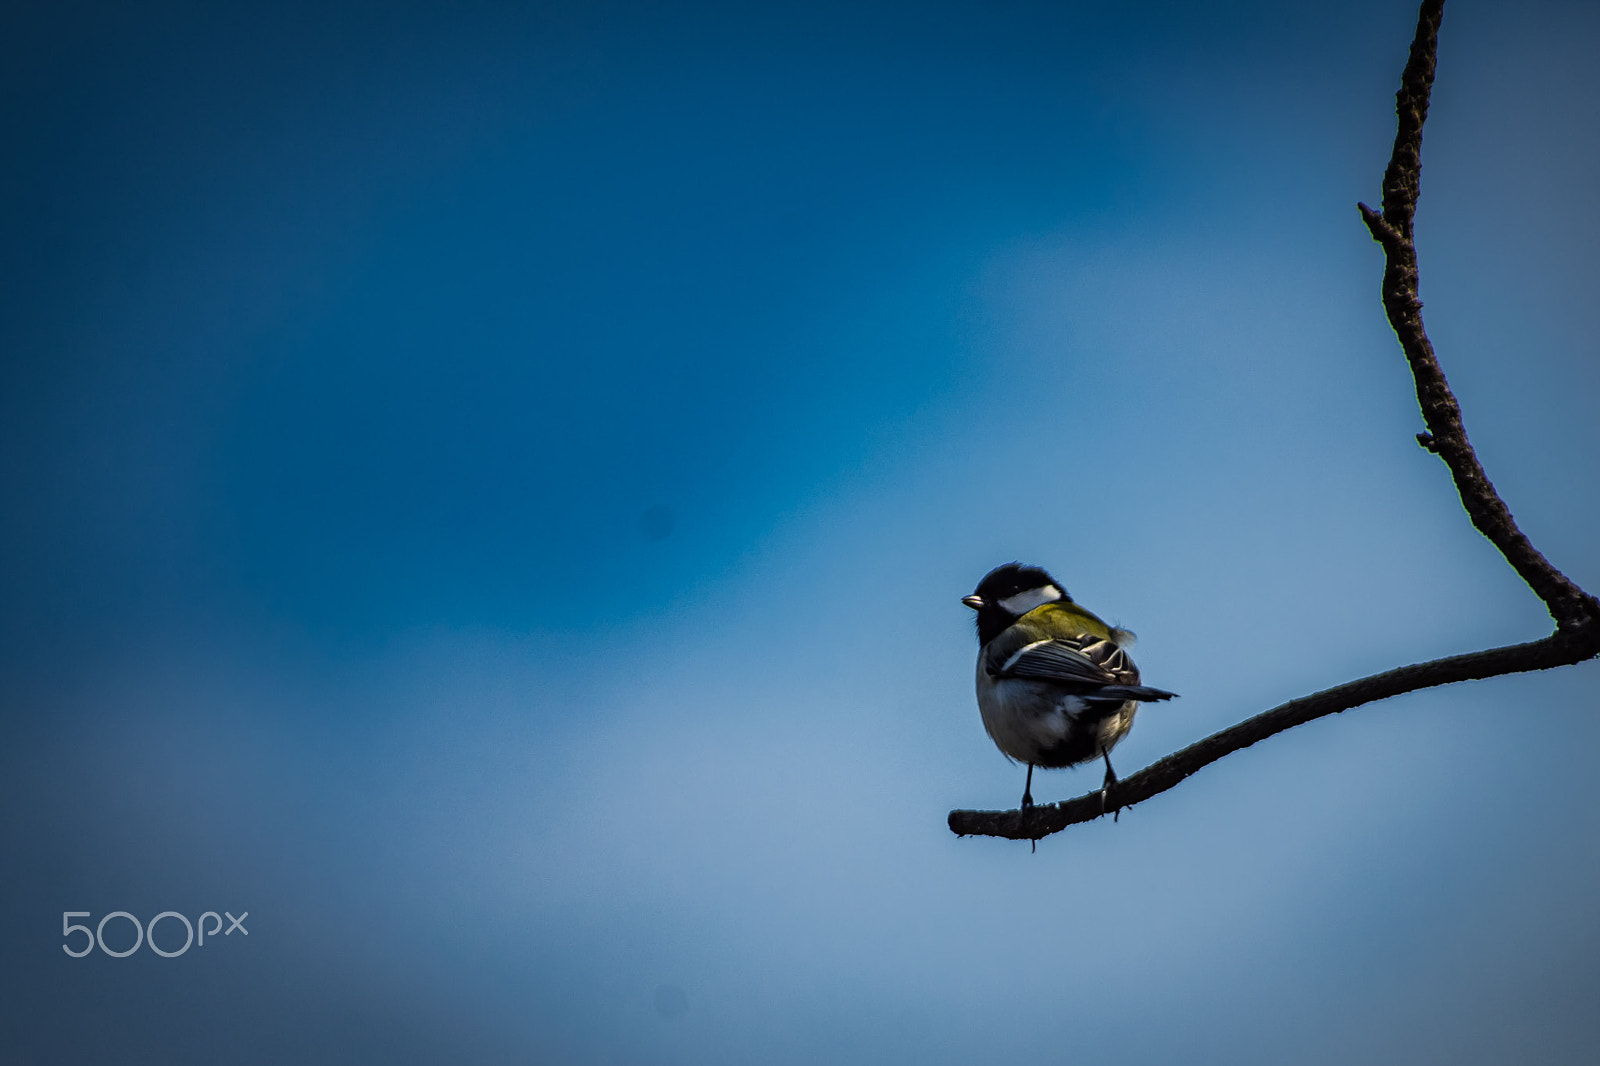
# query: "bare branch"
1558 649
1577 614
1447 437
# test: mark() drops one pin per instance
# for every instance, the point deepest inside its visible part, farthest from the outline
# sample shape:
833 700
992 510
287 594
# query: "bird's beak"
975 602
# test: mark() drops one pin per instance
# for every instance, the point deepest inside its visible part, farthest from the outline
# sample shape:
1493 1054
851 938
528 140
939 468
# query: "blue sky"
486 488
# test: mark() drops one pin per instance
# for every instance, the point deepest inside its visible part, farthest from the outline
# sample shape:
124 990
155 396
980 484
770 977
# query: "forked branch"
1576 613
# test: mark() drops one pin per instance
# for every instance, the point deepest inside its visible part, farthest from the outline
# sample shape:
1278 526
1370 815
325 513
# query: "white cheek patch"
1023 602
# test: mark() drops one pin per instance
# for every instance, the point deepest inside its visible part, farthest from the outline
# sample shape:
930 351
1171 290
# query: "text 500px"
146 933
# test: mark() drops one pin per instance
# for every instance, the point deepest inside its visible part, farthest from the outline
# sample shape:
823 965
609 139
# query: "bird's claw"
1105 800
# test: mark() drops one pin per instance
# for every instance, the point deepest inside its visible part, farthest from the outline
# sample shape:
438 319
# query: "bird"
1055 684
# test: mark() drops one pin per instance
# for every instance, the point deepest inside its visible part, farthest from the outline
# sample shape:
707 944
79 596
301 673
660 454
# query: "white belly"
1035 722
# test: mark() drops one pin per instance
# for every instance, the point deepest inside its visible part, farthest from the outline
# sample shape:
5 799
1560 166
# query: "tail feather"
1142 693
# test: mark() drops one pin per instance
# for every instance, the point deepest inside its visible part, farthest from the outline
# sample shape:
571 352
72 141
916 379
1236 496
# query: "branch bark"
1576 613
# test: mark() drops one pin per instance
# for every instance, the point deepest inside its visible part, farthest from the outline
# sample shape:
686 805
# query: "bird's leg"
1027 789
1105 786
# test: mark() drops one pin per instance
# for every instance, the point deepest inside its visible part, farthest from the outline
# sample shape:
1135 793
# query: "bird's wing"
1056 660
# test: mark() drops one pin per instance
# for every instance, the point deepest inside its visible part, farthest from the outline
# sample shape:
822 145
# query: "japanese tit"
1055 684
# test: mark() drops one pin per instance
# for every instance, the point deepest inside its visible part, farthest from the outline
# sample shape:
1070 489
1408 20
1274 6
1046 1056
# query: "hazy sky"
486 489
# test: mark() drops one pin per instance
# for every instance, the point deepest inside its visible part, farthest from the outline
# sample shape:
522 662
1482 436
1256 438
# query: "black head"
1007 593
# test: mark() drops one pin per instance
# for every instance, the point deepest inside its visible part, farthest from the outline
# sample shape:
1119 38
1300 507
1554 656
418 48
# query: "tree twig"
1576 613
1558 649
1392 227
